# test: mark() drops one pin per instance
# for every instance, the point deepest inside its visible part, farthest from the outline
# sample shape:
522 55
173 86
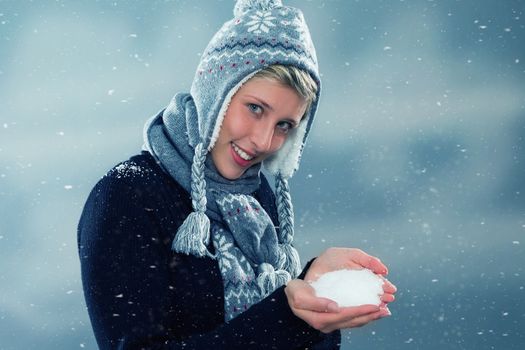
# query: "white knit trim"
243 53
286 160
224 109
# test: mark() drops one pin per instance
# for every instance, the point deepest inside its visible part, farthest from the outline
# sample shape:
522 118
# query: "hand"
334 259
324 314
344 258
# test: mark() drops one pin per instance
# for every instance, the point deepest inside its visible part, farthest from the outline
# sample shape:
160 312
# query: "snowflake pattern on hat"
261 22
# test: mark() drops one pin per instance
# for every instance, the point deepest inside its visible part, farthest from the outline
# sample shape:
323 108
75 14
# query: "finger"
357 311
348 313
316 304
388 287
357 320
328 322
387 298
377 266
369 261
365 319
305 299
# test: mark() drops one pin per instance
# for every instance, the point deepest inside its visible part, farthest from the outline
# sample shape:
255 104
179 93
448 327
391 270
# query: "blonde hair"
293 77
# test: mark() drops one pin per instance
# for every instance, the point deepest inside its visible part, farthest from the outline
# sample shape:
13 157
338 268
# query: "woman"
186 245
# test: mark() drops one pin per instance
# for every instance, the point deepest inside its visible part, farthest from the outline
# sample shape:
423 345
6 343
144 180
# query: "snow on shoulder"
128 169
350 287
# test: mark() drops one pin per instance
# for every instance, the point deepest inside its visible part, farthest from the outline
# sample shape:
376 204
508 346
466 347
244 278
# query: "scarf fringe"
269 279
193 236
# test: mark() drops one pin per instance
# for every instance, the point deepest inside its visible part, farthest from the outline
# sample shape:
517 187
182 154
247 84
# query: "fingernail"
386 311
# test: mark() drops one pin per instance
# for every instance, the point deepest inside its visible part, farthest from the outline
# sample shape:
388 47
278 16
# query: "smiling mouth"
245 156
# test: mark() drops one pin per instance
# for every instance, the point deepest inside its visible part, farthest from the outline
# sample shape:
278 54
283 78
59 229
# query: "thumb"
302 296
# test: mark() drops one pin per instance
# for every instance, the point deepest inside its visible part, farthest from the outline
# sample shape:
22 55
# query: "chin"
230 175
232 178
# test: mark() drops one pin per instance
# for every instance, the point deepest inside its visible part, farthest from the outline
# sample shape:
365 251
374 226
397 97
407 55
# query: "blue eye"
255 108
284 126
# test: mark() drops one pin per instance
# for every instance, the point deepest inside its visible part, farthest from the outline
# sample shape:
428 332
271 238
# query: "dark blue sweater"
142 295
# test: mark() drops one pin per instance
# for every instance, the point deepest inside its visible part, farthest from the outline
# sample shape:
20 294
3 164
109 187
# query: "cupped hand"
334 259
324 314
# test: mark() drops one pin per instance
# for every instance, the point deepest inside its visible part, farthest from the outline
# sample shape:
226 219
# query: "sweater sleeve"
120 274
129 303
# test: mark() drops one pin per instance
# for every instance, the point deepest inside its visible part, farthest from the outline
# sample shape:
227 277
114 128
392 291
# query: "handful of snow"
350 287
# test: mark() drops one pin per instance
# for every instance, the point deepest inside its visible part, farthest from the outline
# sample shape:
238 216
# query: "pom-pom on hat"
262 33
241 7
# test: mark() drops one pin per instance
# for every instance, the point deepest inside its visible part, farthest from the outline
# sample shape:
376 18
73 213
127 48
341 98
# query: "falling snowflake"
261 22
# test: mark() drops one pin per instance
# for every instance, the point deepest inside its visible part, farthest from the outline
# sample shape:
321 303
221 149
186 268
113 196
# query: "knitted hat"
262 33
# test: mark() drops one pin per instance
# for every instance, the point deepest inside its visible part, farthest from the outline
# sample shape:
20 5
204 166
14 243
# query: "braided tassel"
292 262
269 279
194 233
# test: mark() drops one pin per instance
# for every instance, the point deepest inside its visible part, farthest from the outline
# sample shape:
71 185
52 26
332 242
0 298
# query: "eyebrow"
267 106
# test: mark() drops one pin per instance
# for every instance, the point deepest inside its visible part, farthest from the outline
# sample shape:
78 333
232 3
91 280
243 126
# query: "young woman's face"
256 125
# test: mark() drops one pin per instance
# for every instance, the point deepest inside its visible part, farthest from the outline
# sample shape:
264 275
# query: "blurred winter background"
417 155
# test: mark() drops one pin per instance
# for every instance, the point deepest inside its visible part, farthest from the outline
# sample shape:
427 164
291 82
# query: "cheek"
237 125
277 143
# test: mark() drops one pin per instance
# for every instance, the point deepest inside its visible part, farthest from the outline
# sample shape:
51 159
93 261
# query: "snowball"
350 287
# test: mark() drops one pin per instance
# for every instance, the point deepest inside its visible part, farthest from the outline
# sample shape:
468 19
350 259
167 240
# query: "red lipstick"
237 158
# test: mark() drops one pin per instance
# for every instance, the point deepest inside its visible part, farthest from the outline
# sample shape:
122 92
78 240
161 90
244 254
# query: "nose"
262 136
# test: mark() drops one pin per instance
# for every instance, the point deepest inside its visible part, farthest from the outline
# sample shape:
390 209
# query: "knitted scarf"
253 257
